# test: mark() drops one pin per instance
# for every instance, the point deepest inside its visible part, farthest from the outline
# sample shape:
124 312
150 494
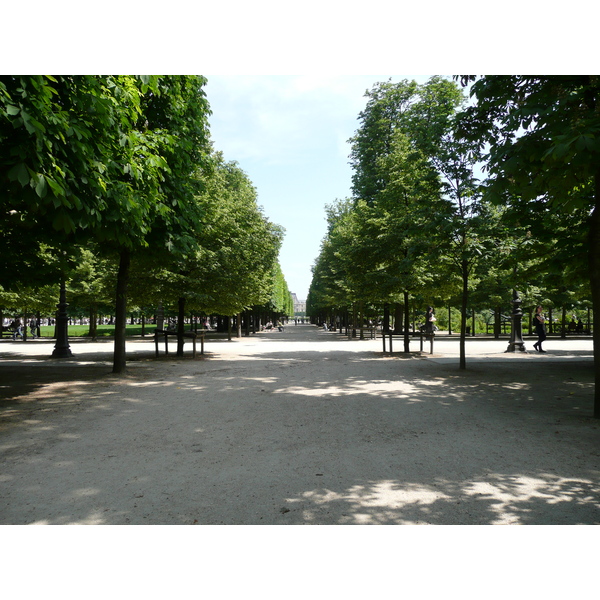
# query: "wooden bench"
420 334
186 334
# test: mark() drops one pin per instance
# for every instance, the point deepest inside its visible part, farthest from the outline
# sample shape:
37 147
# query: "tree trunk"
497 322
362 321
463 313
386 318
119 355
180 325
398 316
93 332
594 257
160 317
406 323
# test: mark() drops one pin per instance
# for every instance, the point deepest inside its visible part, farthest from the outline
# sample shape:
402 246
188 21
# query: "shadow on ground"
303 438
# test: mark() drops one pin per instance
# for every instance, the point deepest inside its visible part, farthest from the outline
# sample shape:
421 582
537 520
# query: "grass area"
103 330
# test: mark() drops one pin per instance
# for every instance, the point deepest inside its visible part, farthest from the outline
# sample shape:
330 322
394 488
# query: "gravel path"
300 427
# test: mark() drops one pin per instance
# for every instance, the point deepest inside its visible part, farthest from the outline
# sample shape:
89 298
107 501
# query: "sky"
289 134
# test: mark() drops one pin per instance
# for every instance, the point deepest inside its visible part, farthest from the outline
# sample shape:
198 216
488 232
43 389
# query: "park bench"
420 334
186 334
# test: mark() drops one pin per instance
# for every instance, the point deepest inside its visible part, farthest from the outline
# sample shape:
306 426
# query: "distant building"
299 306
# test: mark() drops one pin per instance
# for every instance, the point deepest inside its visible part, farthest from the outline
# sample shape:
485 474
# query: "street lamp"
516 335
61 348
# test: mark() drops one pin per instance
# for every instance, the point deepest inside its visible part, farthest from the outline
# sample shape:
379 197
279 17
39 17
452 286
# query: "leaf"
55 187
24 177
19 173
27 122
41 189
12 110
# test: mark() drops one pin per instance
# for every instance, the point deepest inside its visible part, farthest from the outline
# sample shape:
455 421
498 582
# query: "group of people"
269 326
539 321
16 326
576 326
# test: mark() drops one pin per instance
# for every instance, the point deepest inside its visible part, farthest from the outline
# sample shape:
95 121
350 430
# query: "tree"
410 167
230 254
173 128
542 136
109 158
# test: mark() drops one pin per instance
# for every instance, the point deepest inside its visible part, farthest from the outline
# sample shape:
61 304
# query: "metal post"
516 335
62 348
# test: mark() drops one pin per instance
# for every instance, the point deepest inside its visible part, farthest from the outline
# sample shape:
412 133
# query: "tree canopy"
540 135
122 167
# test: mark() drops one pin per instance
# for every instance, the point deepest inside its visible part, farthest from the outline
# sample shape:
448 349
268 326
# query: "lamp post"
516 334
61 348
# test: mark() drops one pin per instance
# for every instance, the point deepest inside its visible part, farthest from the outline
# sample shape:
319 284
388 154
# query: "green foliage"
97 169
230 256
542 161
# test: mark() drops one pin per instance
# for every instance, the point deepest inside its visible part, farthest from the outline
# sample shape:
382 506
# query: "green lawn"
103 330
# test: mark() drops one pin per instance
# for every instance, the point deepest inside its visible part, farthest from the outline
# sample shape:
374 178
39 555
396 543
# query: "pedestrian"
430 321
16 327
540 328
33 327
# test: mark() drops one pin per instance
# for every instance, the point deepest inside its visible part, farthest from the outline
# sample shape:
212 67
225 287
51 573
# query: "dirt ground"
299 427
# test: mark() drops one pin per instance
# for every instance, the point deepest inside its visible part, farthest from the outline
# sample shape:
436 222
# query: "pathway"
300 427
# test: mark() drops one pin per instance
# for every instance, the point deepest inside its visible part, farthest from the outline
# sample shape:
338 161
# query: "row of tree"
422 228
112 183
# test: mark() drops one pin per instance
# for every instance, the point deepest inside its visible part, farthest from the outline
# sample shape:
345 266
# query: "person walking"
540 328
33 327
16 326
430 320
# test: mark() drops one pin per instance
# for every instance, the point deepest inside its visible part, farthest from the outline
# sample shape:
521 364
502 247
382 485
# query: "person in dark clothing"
540 328
430 321
17 327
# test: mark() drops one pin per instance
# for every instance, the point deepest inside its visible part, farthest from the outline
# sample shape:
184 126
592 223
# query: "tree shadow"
304 437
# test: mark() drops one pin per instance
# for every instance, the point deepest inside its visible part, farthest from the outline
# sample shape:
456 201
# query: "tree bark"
180 325
463 312
119 355
362 321
497 322
93 332
386 318
398 316
594 258
406 323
